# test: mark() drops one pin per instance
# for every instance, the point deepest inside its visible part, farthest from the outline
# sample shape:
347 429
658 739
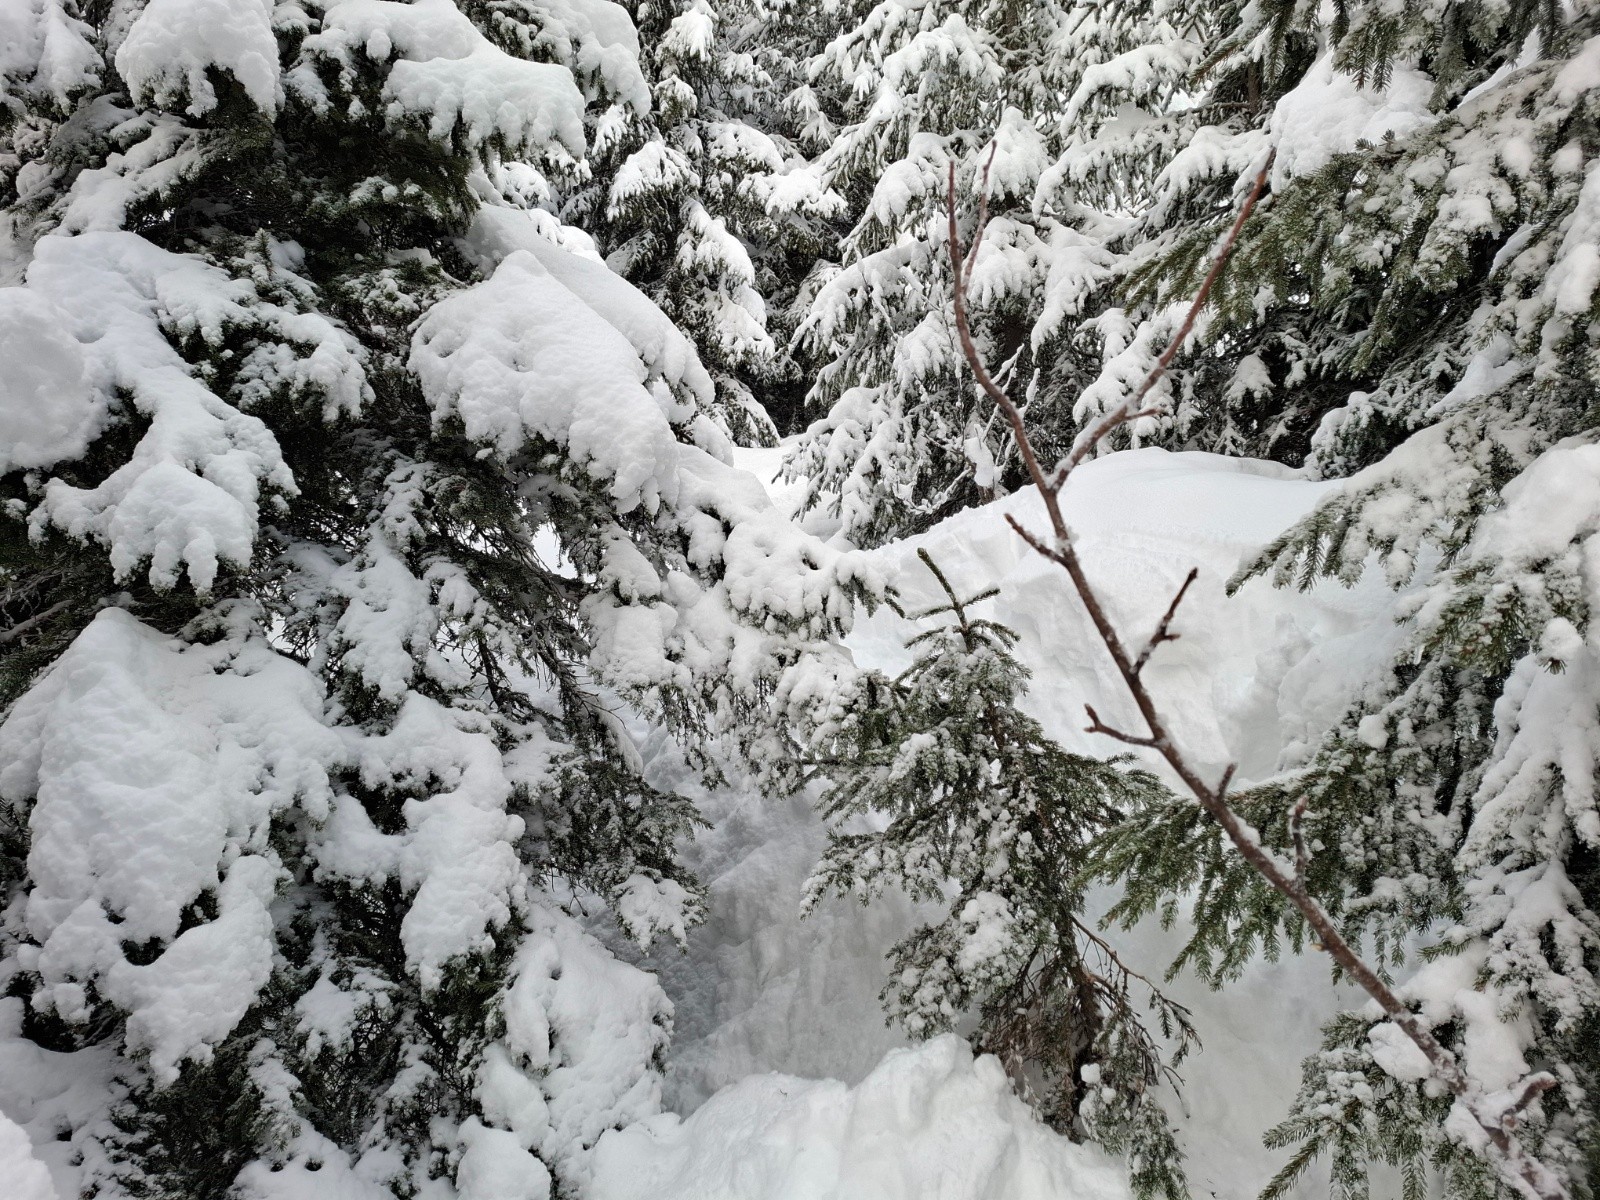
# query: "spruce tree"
1037 106
706 205
346 516
1453 379
938 784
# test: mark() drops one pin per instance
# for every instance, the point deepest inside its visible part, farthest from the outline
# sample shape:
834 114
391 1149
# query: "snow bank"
1256 675
1252 678
931 1123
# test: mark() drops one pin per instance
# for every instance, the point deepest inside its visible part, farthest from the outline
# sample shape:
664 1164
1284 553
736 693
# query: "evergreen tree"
343 512
1456 329
1019 97
708 206
940 785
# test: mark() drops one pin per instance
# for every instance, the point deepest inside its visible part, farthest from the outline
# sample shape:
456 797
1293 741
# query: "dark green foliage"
191 1139
342 214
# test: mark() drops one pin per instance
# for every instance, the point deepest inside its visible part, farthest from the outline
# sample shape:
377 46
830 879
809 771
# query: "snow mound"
1252 679
929 1123
27 1177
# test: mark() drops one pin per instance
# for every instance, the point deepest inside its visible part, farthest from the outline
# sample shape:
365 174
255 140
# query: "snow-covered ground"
761 990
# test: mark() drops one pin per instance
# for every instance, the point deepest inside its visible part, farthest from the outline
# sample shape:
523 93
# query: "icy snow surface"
760 990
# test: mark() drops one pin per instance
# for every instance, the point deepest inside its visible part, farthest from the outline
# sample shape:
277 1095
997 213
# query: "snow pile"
1252 677
520 356
1256 675
58 1100
26 1177
931 1123
666 353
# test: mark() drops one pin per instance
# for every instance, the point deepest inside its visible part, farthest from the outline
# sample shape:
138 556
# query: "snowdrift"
1254 675
930 1123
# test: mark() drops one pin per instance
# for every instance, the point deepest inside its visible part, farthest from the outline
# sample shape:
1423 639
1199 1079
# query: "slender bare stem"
1164 626
1495 1115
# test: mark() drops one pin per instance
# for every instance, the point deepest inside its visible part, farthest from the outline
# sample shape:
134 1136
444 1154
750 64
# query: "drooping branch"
1495 1115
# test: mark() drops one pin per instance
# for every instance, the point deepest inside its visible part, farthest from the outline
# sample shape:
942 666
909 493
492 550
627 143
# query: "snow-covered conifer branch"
1491 1117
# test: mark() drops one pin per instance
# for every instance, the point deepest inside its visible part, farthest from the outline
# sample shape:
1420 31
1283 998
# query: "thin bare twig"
1163 627
1096 725
23 627
1495 1115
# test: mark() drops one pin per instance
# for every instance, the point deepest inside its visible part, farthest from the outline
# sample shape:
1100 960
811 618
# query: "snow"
47 411
929 1123
58 1099
173 43
26 1177
187 500
149 763
666 352
155 768
1141 519
44 48
521 356
449 76
1329 113
761 989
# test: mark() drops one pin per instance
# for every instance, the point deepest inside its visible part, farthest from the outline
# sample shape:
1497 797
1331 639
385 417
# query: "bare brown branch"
1132 408
1495 1116
1096 725
1163 631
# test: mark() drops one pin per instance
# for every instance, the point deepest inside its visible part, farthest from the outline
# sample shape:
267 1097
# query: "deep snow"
1254 676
